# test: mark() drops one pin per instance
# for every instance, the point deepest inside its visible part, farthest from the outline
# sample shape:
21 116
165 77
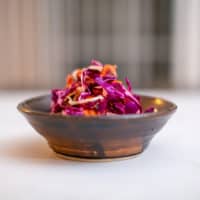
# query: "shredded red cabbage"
95 90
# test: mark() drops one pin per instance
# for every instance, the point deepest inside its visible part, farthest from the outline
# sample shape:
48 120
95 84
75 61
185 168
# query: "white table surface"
169 169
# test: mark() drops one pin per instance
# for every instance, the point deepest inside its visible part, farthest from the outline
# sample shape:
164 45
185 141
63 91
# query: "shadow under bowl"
101 137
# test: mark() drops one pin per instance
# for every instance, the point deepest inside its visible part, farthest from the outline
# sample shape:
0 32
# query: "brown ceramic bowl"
101 137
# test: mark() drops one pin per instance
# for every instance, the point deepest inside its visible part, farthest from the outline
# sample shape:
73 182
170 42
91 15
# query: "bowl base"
82 159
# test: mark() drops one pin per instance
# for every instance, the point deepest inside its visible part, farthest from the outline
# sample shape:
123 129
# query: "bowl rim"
172 108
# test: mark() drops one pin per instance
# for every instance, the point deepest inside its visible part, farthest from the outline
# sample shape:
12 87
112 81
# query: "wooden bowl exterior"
97 137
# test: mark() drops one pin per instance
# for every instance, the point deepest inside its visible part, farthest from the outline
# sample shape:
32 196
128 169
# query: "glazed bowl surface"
101 137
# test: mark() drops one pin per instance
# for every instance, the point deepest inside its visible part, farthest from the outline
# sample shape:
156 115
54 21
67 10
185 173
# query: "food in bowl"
96 90
122 124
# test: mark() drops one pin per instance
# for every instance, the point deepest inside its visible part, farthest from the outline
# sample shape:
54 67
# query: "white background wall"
43 40
186 44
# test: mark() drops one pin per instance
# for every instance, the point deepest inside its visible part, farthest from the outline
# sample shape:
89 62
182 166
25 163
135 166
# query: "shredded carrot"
79 73
69 80
104 93
90 113
109 69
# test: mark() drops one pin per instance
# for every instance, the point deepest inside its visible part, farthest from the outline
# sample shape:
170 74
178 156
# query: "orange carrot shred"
109 69
69 80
